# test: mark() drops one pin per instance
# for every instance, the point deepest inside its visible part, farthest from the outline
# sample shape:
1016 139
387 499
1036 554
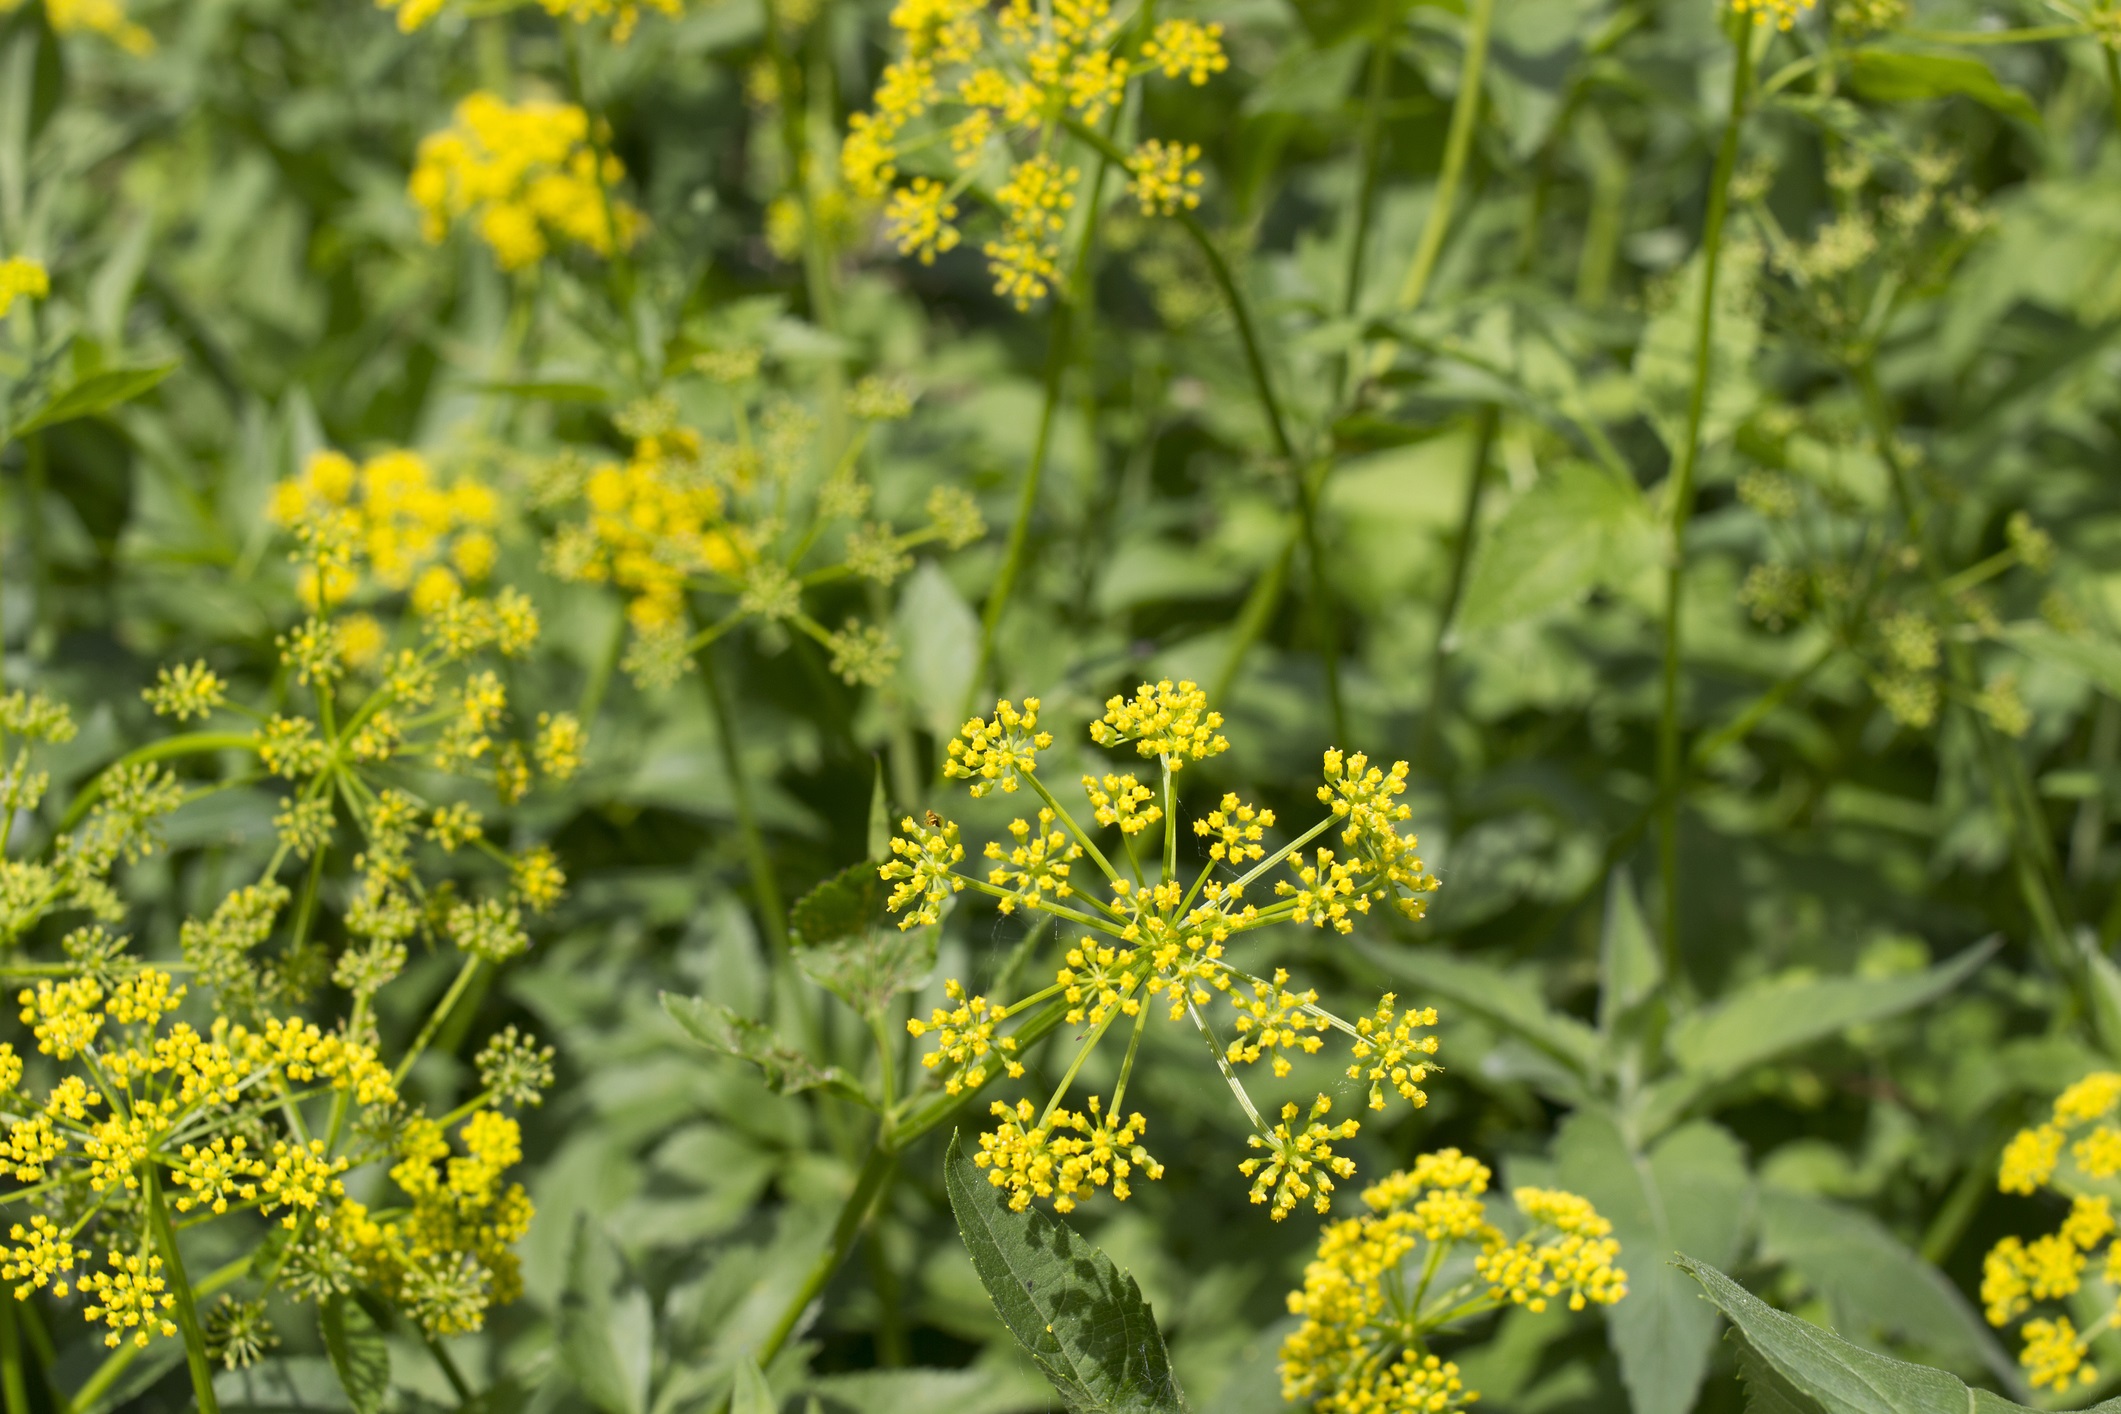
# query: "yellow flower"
918 220
1781 13
21 278
1163 720
1300 1162
998 751
1164 178
1186 47
522 174
130 1297
42 1256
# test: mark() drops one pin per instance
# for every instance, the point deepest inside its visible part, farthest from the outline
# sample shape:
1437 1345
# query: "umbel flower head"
1383 1284
2075 1154
1153 939
1000 88
524 175
746 528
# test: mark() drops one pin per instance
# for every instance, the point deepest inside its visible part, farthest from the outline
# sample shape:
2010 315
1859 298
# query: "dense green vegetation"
507 509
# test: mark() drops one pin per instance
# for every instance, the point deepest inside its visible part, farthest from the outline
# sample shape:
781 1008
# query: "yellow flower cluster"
392 518
688 515
524 174
1163 939
1020 73
1170 722
920 871
624 14
21 277
449 1255
965 1038
1373 1297
104 17
1000 751
1363 797
2076 1152
1064 1155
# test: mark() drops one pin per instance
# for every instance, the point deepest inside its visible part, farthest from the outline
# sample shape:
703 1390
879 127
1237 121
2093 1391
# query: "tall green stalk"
1684 461
1457 147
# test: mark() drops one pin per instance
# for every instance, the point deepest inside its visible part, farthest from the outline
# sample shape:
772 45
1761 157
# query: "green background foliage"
1791 1048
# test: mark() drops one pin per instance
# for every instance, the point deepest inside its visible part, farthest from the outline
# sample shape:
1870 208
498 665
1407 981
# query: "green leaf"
606 1329
358 1353
844 943
845 906
1872 1281
1766 1392
1573 531
941 637
1764 1021
1836 1377
2096 660
289 1384
1664 361
98 392
548 390
1082 1319
787 1070
752 1394
1691 1191
1629 967
1896 76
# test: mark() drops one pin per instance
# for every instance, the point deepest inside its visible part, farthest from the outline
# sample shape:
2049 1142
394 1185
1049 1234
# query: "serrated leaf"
1837 1377
845 906
1577 529
1081 1319
1764 1021
1690 1190
844 943
359 1355
605 1325
1873 1282
1896 76
787 1070
98 392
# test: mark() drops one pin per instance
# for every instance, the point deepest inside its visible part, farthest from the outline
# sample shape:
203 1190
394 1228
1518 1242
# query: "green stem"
1254 616
2113 79
1026 505
186 745
1458 144
1454 587
202 1374
436 1018
867 1184
1682 496
764 887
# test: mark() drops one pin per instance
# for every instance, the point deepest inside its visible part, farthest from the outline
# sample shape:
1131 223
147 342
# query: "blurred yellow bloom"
21 277
523 174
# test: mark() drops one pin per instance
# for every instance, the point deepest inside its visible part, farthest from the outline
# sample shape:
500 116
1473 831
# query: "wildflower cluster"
1156 940
2076 1154
1383 1284
745 527
149 1115
998 88
71 875
524 174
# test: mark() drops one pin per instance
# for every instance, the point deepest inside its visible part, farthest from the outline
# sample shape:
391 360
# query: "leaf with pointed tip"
1813 1364
98 392
358 1353
843 943
1081 1319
